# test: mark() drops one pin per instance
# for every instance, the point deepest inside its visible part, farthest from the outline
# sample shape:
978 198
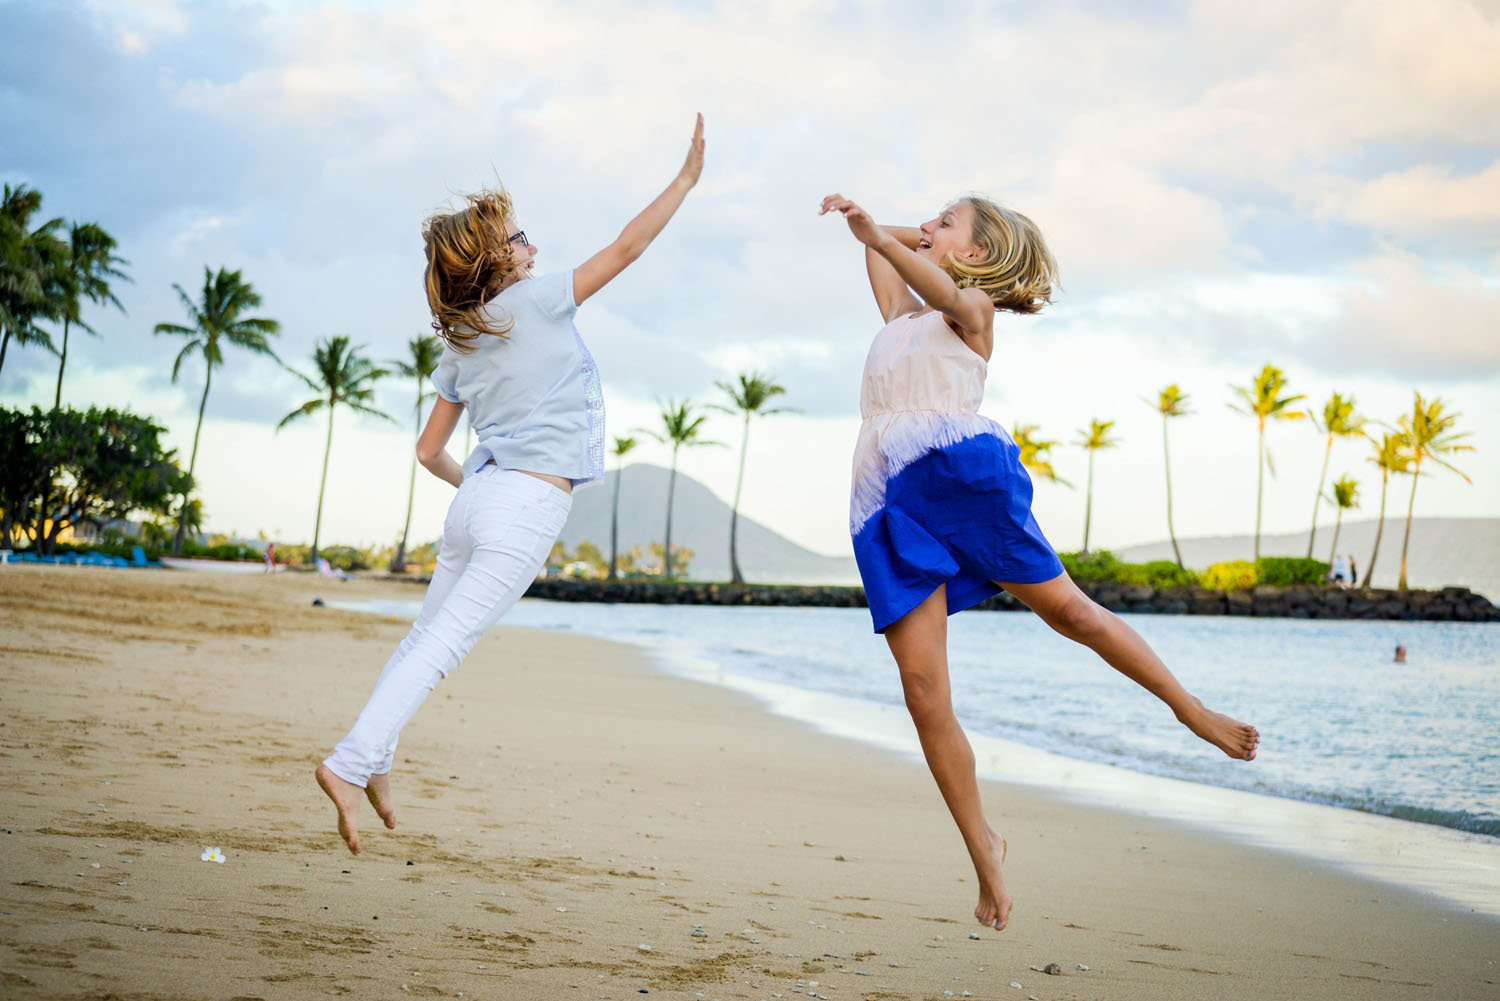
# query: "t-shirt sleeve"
554 295
445 377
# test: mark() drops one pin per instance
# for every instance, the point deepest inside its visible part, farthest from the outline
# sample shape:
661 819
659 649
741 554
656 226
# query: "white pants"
497 535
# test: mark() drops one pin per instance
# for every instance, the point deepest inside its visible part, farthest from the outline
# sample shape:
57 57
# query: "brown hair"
468 262
1017 271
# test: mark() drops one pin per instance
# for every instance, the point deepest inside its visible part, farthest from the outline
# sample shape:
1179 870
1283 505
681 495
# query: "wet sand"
575 824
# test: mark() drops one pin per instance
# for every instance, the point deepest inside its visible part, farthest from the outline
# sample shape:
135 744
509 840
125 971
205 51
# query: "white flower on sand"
212 855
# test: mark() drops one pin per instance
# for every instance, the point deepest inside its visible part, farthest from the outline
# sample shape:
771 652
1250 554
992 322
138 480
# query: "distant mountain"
1444 552
700 521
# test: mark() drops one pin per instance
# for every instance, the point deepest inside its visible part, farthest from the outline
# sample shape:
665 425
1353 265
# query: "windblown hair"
1017 272
468 261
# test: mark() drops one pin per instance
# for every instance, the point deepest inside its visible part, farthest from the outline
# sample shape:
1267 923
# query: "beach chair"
138 559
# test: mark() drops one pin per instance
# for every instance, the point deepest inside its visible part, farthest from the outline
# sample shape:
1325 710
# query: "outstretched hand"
692 167
860 223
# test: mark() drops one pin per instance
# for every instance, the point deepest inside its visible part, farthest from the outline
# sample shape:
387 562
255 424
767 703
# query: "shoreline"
1461 866
577 823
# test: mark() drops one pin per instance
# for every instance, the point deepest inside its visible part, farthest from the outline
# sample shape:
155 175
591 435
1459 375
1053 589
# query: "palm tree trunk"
192 461
1327 454
666 553
1416 470
1260 482
1379 530
4 343
62 364
1167 465
322 484
734 518
399 563
614 525
1088 504
1337 525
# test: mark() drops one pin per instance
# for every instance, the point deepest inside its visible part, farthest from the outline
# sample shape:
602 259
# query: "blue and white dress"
939 494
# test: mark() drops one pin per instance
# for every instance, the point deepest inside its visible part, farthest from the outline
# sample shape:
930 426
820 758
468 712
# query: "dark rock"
1052 970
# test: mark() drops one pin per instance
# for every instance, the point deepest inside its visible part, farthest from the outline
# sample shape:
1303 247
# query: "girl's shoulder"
551 293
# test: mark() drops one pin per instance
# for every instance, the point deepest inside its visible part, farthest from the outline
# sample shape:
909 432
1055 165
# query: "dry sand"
575 825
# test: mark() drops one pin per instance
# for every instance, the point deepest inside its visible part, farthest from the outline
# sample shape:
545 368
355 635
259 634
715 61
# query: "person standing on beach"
515 362
940 506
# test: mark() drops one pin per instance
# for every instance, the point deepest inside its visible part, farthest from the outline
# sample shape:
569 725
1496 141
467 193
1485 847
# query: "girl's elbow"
425 455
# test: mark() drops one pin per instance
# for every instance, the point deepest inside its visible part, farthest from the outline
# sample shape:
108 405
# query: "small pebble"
1052 970
1082 967
643 947
1017 985
974 934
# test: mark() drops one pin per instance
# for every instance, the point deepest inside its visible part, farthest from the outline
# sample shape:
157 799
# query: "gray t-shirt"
533 396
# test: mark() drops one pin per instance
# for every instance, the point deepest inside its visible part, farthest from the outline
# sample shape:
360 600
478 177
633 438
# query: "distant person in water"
515 363
940 508
1400 654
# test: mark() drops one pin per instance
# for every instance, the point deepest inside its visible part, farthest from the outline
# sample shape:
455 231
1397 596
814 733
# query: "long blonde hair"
468 262
1017 271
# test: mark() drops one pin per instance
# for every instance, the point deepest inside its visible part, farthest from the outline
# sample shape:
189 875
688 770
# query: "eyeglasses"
519 237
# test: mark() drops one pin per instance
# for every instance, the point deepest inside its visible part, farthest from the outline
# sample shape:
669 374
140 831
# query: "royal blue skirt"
958 515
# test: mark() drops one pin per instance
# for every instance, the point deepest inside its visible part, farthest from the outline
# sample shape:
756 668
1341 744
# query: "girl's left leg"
1075 615
919 642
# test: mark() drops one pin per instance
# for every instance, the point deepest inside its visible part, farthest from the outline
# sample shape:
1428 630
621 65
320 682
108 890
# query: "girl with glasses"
515 362
941 506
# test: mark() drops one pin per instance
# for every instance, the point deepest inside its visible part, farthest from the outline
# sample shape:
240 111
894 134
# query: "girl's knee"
926 697
1078 617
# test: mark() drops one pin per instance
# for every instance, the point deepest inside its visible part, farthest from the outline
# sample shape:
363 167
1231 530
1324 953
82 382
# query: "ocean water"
1341 724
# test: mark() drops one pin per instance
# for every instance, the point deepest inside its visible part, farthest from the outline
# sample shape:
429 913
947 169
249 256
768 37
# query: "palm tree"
1034 451
749 398
425 350
1339 420
343 377
1345 497
217 320
1431 436
90 264
31 261
622 448
1092 440
679 427
1263 400
1392 455
1170 402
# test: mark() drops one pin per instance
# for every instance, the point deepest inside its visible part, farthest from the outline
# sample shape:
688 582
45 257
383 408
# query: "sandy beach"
573 823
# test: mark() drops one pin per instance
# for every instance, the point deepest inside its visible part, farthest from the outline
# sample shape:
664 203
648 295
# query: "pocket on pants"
514 510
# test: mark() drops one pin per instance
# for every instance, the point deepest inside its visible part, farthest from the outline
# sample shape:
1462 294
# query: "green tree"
680 427
1034 453
622 448
65 467
1431 436
217 319
89 264
750 398
1170 402
1263 401
1345 497
424 352
1392 455
1339 421
343 376
1091 441
31 261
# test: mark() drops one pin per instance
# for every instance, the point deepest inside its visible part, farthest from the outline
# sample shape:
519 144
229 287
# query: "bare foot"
378 792
345 796
994 906
1236 739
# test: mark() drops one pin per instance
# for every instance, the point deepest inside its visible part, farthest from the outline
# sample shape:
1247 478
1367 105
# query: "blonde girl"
515 362
940 508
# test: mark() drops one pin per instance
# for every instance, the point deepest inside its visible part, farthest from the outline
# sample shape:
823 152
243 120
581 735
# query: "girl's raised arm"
599 270
969 309
891 292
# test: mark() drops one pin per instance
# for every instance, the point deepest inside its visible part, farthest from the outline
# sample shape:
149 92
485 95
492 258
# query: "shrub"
1097 565
1164 575
1234 575
1286 571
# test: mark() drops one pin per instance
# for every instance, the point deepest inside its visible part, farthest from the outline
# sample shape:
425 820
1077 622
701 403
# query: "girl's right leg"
502 534
919 642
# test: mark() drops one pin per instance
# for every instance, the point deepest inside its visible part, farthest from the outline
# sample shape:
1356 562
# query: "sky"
1305 183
